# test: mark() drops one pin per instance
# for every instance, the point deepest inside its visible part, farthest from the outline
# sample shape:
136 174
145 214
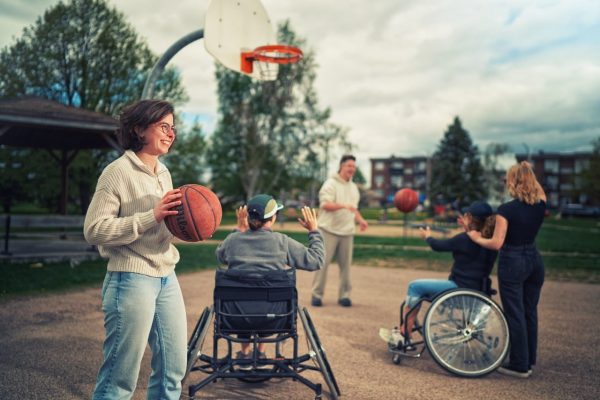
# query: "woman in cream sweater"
141 297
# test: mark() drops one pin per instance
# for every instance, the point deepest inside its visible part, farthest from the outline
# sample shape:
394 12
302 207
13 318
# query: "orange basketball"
199 214
406 200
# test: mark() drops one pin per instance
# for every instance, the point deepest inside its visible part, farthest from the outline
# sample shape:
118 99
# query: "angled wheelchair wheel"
466 333
320 357
197 338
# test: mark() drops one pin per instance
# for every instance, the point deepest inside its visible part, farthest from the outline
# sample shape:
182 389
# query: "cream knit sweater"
120 219
337 190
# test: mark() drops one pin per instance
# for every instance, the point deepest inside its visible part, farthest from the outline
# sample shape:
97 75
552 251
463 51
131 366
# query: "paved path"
50 346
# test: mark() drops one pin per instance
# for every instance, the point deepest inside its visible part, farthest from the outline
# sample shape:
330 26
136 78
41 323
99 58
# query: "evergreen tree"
270 135
84 54
457 175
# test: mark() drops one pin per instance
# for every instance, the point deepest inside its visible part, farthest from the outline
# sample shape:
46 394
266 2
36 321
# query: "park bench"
40 227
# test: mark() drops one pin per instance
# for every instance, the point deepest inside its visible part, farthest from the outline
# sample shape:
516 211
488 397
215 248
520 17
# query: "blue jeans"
140 309
420 288
520 279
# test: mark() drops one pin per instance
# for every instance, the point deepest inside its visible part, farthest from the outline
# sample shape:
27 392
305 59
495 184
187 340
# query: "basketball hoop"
267 58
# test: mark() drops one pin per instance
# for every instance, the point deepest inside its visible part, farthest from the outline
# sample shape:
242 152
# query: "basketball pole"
162 62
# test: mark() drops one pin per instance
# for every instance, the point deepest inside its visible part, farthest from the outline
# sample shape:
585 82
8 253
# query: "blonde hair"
522 183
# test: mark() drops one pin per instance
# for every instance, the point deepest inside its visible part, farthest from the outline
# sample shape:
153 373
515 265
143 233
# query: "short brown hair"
345 158
140 115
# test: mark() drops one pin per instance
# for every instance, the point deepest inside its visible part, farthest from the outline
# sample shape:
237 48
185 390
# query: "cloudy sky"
397 72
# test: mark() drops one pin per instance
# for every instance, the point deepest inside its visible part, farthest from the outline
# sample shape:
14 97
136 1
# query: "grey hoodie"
264 249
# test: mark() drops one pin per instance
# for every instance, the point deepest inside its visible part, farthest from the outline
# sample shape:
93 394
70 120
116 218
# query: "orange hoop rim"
272 53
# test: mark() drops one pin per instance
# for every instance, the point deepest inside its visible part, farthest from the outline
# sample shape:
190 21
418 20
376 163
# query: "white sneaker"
392 338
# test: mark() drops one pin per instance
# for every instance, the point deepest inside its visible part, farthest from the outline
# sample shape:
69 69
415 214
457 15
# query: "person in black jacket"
471 269
520 266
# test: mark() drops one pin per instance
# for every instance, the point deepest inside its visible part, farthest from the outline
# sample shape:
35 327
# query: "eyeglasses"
166 128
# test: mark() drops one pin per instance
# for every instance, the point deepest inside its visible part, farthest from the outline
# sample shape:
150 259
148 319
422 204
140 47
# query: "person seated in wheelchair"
471 269
253 246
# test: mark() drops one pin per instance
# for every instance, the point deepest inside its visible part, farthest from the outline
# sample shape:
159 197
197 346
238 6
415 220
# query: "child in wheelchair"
471 269
254 247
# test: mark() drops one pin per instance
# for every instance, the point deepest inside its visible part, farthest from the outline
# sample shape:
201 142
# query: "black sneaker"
316 302
244 361
345 302
510 371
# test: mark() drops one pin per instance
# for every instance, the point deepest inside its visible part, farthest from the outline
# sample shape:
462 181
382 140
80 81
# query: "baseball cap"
479 209
263 206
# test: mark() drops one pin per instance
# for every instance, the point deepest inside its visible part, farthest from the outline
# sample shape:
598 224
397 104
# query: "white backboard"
234 26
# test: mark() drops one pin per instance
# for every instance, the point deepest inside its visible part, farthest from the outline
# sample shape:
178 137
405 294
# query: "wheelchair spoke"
472 337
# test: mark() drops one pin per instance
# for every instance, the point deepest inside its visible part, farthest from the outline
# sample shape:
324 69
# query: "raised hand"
242 218
309 221
425 232
164 207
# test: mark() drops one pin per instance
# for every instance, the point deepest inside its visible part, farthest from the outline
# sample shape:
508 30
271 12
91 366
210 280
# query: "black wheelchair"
464 330
256 307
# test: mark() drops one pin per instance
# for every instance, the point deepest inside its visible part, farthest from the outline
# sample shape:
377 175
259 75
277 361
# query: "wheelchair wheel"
466 333
319 353
197 339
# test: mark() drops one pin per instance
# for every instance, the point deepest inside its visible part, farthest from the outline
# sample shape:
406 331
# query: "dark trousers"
520 278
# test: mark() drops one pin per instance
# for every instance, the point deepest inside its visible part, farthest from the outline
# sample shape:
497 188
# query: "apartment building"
560 175
388 175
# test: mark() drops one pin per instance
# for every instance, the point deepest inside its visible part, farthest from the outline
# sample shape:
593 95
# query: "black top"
472 263
524 221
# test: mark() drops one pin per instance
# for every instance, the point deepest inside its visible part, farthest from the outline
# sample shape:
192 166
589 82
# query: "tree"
270 134
186 159
457 174
84 54
591 175
14 173
492 172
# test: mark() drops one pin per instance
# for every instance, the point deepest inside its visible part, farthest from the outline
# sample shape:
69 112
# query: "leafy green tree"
457 175
186 159
81 53
493 173
14 173
591 175
270 135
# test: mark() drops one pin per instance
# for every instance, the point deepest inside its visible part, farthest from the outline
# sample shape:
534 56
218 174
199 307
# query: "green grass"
32 278
570 251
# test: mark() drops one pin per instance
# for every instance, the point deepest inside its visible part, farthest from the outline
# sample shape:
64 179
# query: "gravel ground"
50 346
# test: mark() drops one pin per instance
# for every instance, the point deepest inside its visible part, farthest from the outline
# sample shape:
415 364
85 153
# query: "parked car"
579 210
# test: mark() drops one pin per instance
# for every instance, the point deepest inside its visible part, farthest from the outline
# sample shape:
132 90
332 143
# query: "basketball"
199 214
406 200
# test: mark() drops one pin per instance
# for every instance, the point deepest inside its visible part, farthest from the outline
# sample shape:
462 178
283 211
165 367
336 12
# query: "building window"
397 165
378 181
379 166
551 166
581 165
553 199
397 181
421 166
552 182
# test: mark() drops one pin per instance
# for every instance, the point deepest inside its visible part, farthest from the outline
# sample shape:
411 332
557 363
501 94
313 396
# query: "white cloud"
397 73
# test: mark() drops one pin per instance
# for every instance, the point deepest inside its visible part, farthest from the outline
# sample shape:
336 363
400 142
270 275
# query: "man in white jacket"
338 213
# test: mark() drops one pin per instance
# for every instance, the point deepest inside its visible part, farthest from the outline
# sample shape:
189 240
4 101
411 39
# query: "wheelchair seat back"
261 302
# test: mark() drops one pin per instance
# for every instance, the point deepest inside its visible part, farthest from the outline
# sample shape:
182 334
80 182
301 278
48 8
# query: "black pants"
520 277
